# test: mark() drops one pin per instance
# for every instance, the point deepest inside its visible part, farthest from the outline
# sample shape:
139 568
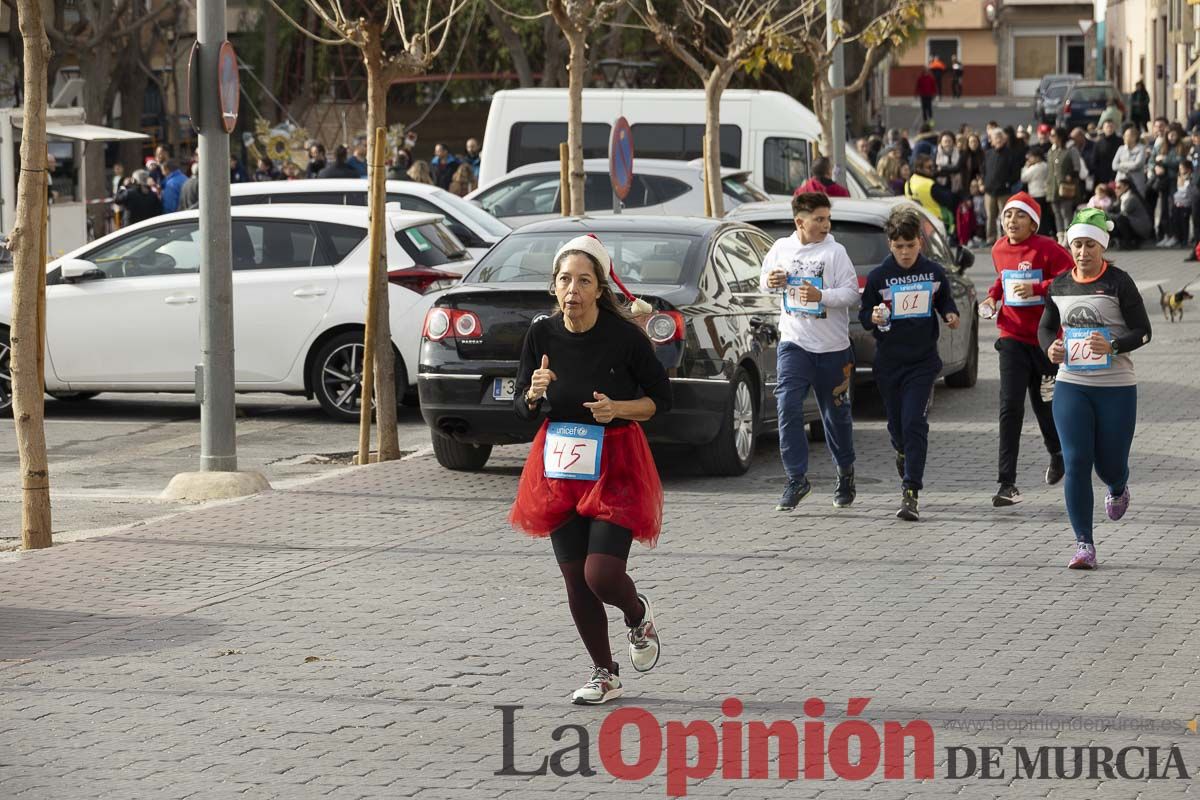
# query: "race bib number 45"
1080 355
572 451
912 300
1012 277
791 298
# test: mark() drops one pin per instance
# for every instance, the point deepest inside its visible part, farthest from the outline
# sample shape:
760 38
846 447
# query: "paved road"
351 637
902 112
110 457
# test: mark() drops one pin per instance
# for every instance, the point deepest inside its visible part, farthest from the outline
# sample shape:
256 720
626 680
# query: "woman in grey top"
1094 319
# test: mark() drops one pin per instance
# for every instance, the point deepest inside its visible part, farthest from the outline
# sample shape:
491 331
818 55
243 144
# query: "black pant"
956 86
1179 224
1023 368
907 392
1195 224
1165 205
926 108
1047 226
937 76
1124 233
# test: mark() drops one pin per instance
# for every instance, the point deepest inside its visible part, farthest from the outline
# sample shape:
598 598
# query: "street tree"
27 242
717 39
395 38
887 30
99 41
578 19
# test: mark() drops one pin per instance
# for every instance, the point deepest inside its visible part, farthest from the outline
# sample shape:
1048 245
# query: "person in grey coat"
189 194
1132 222
1130 160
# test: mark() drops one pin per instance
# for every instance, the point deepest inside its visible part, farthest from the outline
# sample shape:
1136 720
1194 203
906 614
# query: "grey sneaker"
644 647
602 687
793 493
1008 495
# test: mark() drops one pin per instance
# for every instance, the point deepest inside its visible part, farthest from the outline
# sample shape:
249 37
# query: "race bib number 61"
572 451
912 300
1080 355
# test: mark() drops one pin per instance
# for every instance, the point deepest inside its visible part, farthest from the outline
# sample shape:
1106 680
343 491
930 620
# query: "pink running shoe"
1116 507
1085 557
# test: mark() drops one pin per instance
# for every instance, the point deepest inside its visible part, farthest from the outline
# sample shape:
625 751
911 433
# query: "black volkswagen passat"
712 328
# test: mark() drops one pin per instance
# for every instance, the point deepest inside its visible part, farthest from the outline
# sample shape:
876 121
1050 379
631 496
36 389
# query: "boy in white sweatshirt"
819 289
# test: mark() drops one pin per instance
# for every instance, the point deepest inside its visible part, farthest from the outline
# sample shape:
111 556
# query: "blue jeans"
829 375
1095 425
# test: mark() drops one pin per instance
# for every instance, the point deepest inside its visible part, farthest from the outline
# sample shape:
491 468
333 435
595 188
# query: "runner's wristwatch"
1113 344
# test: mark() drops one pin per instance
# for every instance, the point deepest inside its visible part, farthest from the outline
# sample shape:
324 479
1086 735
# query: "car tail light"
665 326
1067 107
422 280
448 323
862 283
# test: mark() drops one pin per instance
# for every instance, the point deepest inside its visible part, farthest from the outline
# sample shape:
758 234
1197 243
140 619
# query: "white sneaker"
1171 242
643 641
603 686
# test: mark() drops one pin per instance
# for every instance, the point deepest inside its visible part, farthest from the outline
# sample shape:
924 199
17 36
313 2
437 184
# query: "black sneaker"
793 493
844 494
900 463
1056 470
908 506
1008 495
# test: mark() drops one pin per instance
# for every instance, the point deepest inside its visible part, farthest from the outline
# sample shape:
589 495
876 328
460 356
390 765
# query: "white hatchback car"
476 228
660 186
123 312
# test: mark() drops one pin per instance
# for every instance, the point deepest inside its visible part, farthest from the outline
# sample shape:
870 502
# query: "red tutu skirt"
628 492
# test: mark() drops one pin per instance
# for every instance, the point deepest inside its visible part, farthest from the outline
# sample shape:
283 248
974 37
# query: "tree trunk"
823 108
26 241
97 69
512 40
576 68
270 46
385 359
714 85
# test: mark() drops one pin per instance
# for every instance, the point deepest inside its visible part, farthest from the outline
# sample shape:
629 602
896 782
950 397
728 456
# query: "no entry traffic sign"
620 158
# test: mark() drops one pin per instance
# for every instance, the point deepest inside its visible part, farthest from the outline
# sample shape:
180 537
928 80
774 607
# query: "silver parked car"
660 187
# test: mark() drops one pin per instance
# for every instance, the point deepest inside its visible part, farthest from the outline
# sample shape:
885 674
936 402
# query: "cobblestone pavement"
352 637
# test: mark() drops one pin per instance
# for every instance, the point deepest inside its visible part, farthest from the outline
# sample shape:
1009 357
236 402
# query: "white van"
768 133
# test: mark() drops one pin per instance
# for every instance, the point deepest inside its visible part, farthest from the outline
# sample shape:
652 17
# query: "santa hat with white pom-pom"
591 245
1090 223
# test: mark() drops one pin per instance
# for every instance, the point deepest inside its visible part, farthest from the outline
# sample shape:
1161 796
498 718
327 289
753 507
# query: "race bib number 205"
572 451
1080 355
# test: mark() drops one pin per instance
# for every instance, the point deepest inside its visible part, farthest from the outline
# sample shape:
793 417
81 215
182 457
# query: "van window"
531 142
785 164
680 142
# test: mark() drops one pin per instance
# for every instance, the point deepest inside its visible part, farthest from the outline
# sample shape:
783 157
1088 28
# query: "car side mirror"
78 269
963 259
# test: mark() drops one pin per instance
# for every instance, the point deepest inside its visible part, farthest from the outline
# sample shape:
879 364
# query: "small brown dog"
1172 303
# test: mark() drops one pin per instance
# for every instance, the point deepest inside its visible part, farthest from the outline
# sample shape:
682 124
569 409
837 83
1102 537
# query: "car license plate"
504 388
1092 112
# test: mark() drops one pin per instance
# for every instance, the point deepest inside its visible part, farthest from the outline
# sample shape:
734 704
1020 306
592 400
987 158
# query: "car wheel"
733 449
6 396
965 378
336 377
459 456
72 397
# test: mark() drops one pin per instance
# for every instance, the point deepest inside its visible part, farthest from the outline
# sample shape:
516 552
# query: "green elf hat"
1090 223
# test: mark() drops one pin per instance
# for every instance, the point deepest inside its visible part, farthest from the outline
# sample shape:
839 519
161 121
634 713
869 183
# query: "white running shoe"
643 641
603 686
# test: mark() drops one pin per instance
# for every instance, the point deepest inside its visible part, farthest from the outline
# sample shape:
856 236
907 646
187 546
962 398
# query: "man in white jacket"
819 290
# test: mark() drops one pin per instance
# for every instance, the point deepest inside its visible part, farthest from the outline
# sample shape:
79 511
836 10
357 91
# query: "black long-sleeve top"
613 357
1110 300
909 341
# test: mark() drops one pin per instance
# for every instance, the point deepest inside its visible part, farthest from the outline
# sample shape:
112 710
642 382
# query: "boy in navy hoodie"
901 302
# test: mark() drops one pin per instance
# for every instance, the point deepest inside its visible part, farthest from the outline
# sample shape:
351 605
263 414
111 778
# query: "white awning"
91 133
82 132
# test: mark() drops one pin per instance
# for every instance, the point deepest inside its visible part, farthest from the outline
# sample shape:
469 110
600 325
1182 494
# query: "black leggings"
591 554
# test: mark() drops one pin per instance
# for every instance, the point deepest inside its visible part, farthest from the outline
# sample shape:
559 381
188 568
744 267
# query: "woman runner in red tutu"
590 483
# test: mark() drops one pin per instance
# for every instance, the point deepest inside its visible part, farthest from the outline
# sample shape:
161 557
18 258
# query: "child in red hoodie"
1025 265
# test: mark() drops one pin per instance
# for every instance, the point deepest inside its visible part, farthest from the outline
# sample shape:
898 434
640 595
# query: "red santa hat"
590 244
1023 202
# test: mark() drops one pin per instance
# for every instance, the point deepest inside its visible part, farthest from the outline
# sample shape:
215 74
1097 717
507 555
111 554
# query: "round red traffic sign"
228 85
620 158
